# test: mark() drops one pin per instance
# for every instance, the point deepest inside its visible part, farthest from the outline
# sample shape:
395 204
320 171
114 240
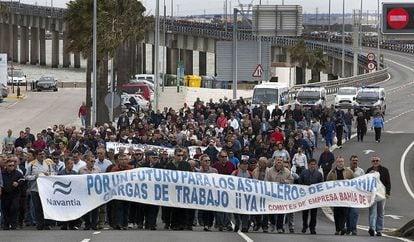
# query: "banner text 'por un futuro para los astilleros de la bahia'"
69 197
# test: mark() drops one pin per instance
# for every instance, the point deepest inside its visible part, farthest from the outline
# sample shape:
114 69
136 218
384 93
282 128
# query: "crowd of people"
232 139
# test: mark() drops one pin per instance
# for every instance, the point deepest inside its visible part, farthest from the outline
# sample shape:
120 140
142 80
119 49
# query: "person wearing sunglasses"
12 181
377 210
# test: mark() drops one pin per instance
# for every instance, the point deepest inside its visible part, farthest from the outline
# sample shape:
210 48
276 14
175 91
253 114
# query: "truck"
272 94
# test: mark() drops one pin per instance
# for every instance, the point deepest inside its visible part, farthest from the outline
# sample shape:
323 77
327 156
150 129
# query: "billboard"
3 69
278 20
398 18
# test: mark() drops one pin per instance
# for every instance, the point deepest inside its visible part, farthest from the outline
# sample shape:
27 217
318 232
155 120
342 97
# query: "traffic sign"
117 100
398 18
371 66
371 56
258 72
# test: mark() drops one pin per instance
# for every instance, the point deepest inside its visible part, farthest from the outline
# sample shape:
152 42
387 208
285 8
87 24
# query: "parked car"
46 83
3 90
139 101
16 77
138 88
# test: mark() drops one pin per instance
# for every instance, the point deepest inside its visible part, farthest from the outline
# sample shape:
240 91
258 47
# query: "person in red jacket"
278 136
83 111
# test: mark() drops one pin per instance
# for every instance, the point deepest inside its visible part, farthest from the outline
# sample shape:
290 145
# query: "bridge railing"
354 81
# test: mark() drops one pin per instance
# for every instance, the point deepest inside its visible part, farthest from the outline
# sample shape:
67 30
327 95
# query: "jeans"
352 219
91 218
376 216
290 220
329 140
262 221
348 131
83 120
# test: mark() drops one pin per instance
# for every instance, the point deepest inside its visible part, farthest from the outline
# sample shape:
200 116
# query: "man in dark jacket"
326 160
308 177
377 210
151 211
180 217
12 179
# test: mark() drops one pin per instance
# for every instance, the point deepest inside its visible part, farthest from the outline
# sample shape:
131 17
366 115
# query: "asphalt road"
40 110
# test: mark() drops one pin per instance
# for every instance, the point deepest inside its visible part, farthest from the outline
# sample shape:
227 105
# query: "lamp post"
329 22
235 11
378 38
94 74
157 46
343 38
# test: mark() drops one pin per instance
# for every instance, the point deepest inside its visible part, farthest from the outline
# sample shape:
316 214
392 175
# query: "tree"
318 63
117 22
300 54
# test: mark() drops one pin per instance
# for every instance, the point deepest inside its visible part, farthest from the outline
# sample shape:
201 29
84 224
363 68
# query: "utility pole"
94 74
360 29
378 38
164 70
343 38
235 53
329 22
157 46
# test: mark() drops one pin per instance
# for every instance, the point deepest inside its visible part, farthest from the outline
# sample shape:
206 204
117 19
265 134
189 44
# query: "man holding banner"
340 172
308 177
278 173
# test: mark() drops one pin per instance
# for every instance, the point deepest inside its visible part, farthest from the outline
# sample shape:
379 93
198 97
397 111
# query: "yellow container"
192 81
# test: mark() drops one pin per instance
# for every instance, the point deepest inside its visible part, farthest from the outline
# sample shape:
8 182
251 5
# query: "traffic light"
398 18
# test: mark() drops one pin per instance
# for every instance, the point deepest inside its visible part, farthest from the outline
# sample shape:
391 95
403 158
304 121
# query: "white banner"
116 145
78 194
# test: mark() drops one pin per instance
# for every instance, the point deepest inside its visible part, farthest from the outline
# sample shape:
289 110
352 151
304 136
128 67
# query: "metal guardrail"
354 81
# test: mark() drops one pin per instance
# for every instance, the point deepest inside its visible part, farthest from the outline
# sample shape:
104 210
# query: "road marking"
402 170
85 240
396 217
400 87
399 64
243 235
368 151
97 232
399 115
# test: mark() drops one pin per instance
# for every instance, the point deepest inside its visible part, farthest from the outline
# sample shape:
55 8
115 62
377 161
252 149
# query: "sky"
188 7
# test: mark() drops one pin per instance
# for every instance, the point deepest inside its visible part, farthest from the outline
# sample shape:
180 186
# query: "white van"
345 97
272 94
311 96
370 99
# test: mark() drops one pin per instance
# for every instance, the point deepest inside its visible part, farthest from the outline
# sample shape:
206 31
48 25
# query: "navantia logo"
62 188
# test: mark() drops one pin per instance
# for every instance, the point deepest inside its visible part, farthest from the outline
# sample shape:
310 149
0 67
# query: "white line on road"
399 64
243 235
402 170
399 115
85 240
97 232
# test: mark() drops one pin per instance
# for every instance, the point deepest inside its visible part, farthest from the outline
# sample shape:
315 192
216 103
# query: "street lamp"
157 46
343 38
235 11
94 100
378 37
